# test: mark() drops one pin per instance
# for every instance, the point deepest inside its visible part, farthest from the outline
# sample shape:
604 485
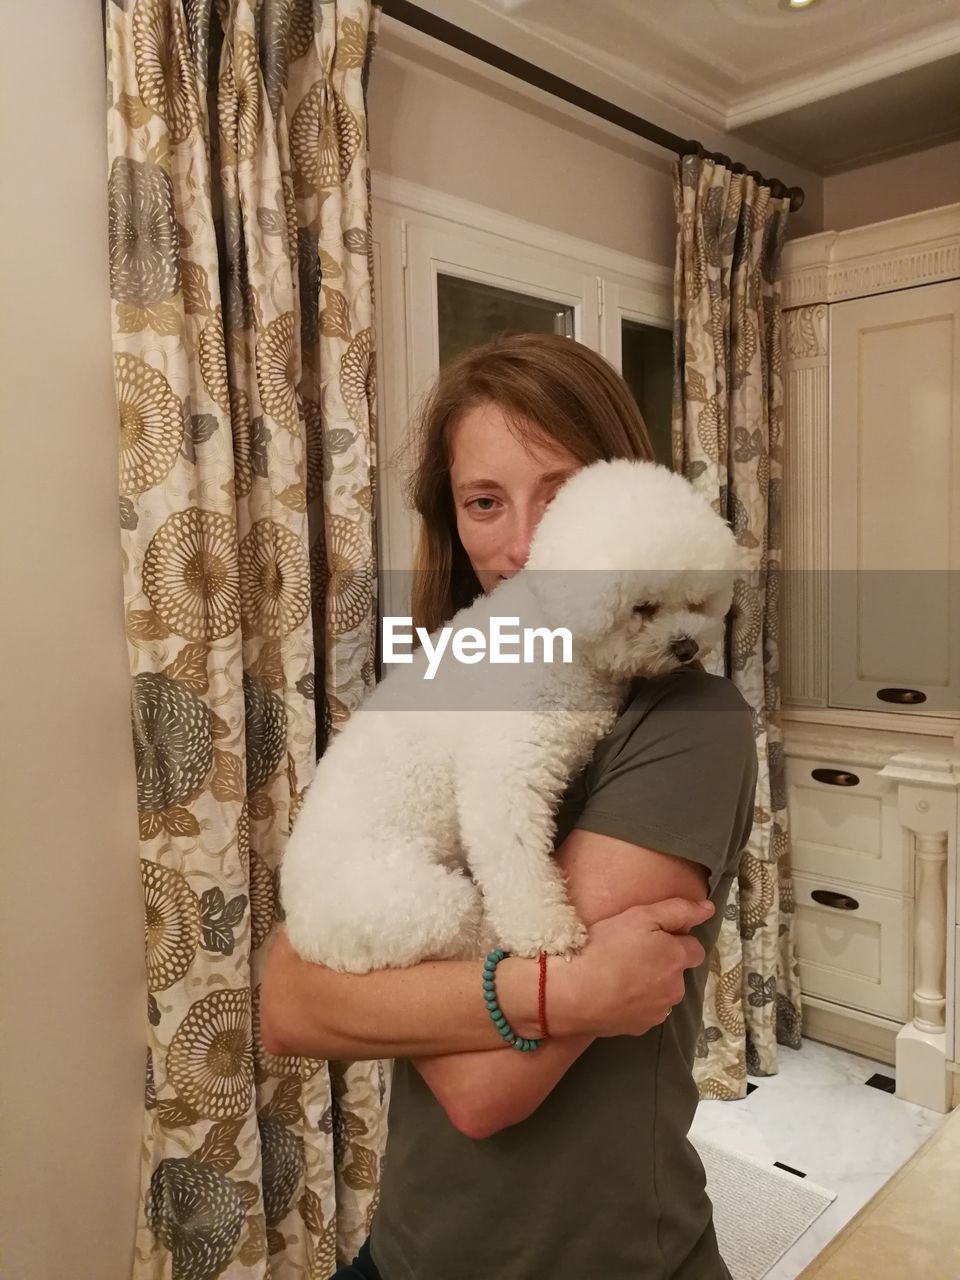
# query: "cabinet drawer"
857 957
847 832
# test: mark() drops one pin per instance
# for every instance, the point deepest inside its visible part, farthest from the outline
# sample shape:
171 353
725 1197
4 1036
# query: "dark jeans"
361 1268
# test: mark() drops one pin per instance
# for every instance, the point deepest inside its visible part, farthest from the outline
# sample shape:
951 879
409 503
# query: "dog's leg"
507 829
400 912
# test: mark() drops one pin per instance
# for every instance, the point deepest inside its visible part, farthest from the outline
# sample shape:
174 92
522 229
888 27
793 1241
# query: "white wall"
892 188
73 997
446 123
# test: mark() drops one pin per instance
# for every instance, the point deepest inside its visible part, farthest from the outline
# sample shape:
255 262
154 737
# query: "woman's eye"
474 502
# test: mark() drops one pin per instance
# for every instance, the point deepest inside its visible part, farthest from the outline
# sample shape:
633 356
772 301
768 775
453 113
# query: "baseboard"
861 1033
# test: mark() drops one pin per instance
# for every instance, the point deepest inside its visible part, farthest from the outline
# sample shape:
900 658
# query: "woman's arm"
622 983
483 1093
431 1008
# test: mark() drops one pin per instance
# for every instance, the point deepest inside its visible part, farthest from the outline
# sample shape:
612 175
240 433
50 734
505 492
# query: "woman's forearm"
431 1008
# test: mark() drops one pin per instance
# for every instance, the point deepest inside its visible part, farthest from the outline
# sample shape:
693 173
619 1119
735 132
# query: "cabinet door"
895 501
845 824
853 946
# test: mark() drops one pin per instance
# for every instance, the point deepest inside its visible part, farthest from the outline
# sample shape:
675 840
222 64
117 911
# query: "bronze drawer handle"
830 898
835 777
906 697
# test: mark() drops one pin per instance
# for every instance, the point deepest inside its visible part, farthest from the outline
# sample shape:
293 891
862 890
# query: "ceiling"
831 87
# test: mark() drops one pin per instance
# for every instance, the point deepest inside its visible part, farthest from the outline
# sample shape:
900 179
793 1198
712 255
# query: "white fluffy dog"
428 831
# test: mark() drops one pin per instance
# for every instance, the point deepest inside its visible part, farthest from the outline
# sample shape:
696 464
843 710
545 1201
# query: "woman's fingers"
678 915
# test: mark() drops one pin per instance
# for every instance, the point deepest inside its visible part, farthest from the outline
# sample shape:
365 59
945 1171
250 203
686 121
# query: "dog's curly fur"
428 831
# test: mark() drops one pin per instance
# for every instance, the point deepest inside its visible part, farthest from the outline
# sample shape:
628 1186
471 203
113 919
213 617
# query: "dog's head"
637 565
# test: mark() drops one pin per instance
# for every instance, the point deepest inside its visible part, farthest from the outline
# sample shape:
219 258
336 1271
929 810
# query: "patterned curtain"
728 441
241 278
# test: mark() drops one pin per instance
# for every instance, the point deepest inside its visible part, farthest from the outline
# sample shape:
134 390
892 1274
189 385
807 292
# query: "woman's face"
501 487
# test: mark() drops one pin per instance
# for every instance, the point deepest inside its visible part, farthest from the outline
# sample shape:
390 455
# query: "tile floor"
818 1115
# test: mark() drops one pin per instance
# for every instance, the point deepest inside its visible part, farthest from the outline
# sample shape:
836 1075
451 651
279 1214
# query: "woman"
572 1160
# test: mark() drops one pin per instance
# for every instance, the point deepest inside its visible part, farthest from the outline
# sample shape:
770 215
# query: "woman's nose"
517 548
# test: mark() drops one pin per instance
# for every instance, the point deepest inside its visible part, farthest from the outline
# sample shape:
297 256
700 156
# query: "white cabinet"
873 815
870 643
853 884
894 600
871 636
872 468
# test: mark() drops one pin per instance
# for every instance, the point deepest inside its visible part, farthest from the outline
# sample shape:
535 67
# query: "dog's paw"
566 939
560 933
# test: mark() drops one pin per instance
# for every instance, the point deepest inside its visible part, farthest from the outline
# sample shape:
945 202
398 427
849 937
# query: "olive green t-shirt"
601 1179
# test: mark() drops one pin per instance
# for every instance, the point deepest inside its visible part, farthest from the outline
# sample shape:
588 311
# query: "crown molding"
698 112
636 88
405 198
921 248
878 155
699 94
702 106
902 56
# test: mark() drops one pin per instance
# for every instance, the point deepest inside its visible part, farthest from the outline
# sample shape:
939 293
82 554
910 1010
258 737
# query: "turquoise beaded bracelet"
493 1008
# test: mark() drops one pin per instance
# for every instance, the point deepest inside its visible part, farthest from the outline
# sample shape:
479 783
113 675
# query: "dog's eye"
697 606
645 610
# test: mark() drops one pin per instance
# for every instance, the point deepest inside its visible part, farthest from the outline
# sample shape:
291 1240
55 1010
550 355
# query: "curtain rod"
412 15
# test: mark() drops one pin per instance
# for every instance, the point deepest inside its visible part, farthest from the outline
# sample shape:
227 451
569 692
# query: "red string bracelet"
543 995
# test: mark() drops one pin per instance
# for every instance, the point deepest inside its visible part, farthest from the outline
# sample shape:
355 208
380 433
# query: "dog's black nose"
684 649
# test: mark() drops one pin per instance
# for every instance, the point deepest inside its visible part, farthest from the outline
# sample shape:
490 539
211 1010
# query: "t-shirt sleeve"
679 776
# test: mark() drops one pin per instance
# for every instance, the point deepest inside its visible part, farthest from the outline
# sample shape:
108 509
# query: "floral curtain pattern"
242 315
728 441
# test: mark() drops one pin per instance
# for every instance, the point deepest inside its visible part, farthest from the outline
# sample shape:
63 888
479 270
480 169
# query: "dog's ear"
585 601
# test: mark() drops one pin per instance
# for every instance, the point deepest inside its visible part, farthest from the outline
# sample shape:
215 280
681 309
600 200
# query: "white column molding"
928 787
930 932
805 505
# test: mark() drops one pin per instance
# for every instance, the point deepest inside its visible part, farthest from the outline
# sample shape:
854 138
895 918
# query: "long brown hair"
542 382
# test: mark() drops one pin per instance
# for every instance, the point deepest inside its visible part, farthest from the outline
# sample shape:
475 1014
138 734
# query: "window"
470 312
647 356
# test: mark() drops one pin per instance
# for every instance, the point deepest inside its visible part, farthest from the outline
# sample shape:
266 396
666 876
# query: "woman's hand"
631 972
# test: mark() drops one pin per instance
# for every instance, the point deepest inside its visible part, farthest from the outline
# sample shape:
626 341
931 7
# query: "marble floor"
819 1116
